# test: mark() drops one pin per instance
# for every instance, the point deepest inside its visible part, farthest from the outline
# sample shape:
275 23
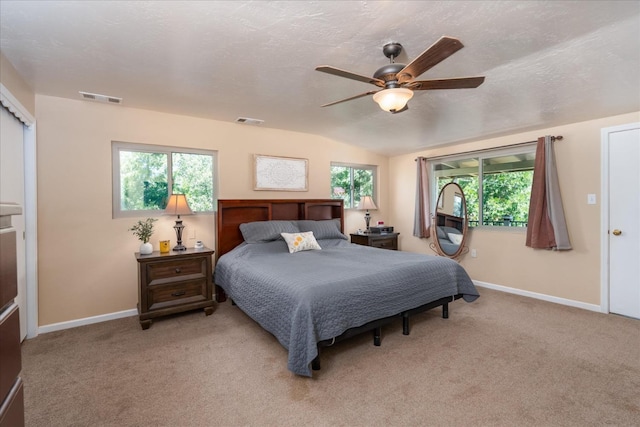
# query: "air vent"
248 121
101 98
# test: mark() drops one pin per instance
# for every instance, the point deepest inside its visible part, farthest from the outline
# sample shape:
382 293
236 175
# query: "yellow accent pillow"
300 241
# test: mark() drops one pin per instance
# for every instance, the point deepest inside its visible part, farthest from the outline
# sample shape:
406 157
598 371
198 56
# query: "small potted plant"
143 231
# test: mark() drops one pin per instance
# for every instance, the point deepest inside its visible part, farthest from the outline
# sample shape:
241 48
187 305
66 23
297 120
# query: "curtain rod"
553 138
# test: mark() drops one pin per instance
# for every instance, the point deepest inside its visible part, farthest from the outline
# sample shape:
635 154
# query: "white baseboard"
133 312
544 297
86 321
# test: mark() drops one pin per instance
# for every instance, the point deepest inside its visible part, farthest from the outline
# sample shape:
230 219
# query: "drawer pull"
178 270
178 294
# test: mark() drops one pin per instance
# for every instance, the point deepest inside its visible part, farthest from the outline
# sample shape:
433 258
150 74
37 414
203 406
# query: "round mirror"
450 222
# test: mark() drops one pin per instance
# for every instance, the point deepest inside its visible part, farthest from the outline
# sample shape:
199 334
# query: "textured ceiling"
546 63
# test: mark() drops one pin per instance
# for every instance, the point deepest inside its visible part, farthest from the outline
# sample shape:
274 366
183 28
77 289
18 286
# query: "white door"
624 219
12 190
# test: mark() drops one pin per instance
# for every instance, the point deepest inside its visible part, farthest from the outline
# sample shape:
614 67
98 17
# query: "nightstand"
173 282
382 240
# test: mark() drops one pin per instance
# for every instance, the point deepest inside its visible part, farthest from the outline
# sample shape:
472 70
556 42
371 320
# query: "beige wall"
502 257
86 262
10 78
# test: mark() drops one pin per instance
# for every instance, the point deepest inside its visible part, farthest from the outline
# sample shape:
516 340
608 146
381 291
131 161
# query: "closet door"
12 190
624 228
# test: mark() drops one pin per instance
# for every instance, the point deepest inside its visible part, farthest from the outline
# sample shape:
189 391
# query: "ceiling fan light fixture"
393 99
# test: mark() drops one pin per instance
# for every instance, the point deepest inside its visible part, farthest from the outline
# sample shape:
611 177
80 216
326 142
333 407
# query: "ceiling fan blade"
349 75
455 83
371 92
436 53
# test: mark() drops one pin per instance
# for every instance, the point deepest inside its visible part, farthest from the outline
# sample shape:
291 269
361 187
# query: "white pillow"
300 241
456 239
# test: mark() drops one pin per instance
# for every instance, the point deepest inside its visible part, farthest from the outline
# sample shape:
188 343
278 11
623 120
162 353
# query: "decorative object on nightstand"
366 202
177 205
174 282
143 231
164 246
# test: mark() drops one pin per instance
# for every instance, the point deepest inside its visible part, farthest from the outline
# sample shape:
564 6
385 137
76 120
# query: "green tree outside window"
149 174
503 197
351 182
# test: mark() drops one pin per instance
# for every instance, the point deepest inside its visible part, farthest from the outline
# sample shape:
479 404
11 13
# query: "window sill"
499 229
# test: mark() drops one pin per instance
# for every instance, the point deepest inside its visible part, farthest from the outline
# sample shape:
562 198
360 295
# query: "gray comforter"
306 297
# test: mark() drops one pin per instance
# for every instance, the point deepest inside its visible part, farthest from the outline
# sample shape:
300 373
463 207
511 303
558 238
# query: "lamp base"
179 227
367 219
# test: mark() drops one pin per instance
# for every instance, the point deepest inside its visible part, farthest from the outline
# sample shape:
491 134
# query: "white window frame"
480 155
118 146
352 166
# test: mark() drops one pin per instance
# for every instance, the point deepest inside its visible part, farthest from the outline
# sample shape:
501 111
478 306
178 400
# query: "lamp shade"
177 205
366 202
394 99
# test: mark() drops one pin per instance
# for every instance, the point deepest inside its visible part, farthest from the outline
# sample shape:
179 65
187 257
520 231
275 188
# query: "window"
350 182
145 175
498 181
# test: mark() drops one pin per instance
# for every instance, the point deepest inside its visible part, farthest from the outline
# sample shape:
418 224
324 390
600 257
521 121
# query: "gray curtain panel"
554 200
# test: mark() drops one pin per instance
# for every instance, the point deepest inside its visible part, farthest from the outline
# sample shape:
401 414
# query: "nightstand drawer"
161 296
175 269
386 243
376 240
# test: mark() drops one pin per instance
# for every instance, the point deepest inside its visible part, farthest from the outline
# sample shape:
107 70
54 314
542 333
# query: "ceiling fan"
398 80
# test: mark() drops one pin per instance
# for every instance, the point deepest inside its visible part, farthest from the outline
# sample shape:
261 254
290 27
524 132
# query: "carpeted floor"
503 360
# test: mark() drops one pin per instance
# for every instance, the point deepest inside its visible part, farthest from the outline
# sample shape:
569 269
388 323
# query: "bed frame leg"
405 324
315 363
377 332
221 296
445 310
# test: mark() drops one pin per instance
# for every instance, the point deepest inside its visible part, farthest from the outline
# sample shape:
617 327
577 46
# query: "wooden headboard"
232 213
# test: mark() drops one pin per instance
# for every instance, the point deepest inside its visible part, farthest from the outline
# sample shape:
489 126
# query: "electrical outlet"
474 254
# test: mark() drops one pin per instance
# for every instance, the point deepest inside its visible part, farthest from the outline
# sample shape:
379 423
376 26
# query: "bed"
312 298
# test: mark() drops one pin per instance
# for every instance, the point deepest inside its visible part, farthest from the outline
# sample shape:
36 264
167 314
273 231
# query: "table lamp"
177 205
366 202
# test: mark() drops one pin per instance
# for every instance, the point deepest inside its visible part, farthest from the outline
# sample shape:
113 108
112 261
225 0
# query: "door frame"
604 210
30 207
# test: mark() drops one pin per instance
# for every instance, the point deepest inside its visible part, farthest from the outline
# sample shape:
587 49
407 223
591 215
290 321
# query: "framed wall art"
280 173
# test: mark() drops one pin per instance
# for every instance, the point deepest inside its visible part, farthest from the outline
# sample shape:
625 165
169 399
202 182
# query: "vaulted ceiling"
545 63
